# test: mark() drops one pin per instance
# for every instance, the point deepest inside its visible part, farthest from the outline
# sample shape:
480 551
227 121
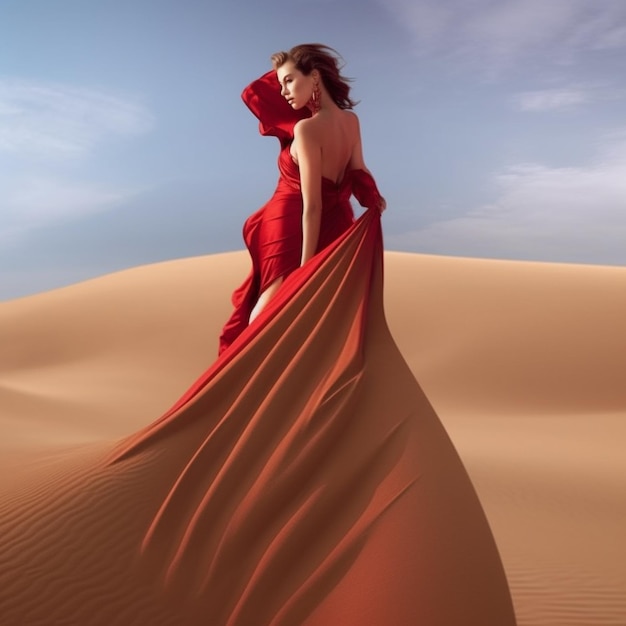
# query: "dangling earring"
316 98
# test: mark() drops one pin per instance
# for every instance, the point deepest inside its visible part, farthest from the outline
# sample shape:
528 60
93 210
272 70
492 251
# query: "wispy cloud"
60 121
48 132
551 99
568 97
496 34
31 202
574 214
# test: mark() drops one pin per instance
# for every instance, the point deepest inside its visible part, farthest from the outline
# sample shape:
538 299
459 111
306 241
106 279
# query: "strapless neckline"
345 176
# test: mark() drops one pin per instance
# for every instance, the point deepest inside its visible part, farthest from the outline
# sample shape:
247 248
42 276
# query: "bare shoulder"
352 126
306 128
353 118
350 114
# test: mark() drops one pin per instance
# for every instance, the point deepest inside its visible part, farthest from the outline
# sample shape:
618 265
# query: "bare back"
339 138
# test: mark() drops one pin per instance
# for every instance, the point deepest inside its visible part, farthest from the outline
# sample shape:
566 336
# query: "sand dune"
524 364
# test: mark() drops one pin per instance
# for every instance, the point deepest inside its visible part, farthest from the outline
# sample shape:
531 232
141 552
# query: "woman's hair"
316 56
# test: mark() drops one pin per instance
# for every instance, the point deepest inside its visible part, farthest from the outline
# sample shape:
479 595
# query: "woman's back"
338 137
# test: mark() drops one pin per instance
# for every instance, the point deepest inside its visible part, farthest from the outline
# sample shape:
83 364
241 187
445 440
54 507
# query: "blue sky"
494 128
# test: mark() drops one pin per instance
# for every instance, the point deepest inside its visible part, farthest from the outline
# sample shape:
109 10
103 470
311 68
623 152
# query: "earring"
316 97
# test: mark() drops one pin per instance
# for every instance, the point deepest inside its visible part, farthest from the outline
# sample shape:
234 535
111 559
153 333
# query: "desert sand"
524 364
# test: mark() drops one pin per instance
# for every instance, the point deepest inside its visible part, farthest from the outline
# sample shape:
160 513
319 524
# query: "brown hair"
316 56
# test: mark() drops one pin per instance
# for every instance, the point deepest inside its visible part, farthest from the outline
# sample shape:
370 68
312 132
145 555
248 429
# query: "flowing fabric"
303 480
310 479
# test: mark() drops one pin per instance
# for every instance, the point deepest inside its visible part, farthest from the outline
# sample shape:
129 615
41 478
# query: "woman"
305 102
304 479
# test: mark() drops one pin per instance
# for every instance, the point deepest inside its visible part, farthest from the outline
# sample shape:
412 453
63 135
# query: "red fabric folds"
365 235
275 115
305 480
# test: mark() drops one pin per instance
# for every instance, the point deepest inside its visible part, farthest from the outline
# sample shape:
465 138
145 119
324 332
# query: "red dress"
273 235
303 479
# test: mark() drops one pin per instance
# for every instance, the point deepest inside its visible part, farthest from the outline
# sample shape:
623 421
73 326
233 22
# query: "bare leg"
265 297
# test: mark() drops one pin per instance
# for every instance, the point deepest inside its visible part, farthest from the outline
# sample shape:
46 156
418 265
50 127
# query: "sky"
494 128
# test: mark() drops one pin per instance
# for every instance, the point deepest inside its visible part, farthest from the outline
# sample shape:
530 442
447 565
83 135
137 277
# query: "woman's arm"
310 165
357 162
356 159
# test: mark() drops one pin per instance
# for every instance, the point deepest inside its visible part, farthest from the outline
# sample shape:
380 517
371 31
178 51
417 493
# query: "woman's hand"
382 204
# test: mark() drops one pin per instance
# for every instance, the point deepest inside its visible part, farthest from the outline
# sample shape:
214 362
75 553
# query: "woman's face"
295 87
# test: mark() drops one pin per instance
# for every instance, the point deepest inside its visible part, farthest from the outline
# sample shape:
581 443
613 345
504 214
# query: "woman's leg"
265 297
